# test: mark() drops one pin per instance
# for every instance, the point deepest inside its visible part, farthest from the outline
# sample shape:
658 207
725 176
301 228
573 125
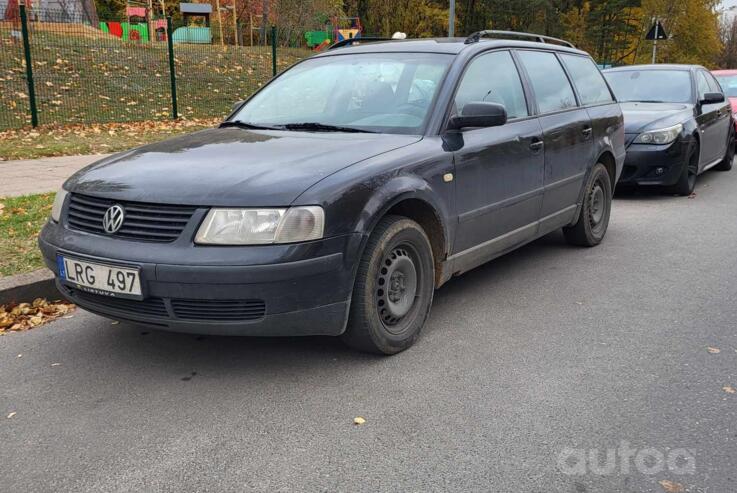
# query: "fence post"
29 65
273 50
172 68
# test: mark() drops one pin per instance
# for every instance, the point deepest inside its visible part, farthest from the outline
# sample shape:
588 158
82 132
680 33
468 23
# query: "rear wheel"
687 180
393 290
593 217
726 163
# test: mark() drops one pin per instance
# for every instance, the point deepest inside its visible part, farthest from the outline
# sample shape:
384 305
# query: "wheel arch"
607 159
414 200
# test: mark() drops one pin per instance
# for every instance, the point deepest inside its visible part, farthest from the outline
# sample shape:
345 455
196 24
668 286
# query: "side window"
588 80
492 78
553 92
702 85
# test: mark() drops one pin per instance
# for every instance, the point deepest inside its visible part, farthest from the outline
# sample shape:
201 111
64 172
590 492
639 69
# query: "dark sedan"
677 124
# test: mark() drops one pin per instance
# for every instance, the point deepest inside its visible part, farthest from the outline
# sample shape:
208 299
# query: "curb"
27 287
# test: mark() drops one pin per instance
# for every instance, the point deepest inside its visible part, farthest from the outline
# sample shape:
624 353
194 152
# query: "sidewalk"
40 175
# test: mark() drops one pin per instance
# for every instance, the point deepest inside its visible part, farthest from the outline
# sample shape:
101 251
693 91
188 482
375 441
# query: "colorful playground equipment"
193 13
136 28
334 32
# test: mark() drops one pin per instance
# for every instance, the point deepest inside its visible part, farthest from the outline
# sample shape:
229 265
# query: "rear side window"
552 90
588 80
493 78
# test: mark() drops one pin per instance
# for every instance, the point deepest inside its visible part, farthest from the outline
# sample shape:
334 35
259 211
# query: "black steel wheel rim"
597 205
397 286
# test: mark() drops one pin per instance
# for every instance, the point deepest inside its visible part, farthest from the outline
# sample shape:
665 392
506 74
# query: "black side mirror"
236 105
712 98
479 115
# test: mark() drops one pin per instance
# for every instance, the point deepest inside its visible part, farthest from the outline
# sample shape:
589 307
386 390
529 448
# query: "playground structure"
193 14
333 32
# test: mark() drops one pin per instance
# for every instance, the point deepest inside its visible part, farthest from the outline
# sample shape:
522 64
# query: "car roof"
452 46
654 66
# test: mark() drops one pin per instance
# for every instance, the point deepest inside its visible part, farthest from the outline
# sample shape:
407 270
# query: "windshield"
654 86
378 92
729 84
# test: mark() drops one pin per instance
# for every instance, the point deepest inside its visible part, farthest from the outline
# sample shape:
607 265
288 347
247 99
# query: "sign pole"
452 19
655 42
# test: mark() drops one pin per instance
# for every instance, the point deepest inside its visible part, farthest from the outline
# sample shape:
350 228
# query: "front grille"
220 310
143 221
150 306
184 309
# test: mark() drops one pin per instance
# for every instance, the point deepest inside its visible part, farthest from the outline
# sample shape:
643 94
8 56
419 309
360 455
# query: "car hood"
230 166
639 117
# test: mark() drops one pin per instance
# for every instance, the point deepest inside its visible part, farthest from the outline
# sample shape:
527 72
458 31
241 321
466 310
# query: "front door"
708 119
499 170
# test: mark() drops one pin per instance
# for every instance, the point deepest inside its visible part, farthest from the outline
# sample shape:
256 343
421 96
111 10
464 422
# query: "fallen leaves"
713 350
358 420
24 316
671 486
729 389
11 415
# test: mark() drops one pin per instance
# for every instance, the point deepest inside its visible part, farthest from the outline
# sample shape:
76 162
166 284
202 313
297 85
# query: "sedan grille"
154 307
143 221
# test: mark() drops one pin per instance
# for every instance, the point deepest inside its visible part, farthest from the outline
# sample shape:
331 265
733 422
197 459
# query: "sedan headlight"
261 226
660 136
61 195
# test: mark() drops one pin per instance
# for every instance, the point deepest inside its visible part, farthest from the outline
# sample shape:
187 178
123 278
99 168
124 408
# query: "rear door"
567 135
499 170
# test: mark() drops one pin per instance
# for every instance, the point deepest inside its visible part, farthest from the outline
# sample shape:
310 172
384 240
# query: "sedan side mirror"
479 115
712 98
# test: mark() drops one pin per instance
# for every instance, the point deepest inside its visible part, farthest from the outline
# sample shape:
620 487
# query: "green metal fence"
119 71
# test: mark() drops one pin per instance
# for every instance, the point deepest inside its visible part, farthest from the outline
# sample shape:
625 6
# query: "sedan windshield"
652 86
372 92
729 84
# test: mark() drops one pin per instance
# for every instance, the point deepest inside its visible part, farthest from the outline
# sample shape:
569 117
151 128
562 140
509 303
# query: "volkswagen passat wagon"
340 195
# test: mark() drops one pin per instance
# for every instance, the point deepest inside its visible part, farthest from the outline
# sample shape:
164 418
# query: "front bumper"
280 290
655 164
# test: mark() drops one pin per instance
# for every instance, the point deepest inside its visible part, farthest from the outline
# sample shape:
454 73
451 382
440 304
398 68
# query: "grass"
21 219
91 139
81 78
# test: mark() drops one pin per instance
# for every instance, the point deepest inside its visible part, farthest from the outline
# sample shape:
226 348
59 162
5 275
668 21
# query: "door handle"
586 132
536 144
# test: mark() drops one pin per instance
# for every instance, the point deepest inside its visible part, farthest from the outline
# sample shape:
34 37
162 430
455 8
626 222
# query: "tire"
726 163
593 216
393 289
687 180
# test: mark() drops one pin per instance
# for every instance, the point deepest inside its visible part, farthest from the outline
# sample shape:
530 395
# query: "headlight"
61 195
660 136
261 226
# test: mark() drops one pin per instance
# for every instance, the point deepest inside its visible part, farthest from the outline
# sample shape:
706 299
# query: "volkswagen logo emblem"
113 219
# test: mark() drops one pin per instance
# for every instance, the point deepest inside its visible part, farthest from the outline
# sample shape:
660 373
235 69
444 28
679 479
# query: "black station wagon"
340 195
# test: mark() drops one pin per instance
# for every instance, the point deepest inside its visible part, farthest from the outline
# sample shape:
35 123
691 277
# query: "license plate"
105 279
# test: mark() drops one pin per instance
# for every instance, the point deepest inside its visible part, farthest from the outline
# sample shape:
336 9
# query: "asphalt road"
528 365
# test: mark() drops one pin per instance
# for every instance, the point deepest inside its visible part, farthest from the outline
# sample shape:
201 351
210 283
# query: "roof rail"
358 40
492 33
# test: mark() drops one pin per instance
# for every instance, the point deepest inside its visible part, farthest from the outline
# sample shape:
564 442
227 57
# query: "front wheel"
393 289
593 217
687 179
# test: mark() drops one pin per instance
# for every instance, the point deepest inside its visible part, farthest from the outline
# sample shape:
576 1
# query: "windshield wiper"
322 127
252 126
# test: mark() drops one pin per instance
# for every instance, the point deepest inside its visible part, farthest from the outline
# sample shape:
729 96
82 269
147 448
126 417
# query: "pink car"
728 80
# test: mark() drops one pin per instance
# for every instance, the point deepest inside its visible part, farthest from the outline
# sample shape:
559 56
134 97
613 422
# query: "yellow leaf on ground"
11 414
729 389
713 350
358 420
671 486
